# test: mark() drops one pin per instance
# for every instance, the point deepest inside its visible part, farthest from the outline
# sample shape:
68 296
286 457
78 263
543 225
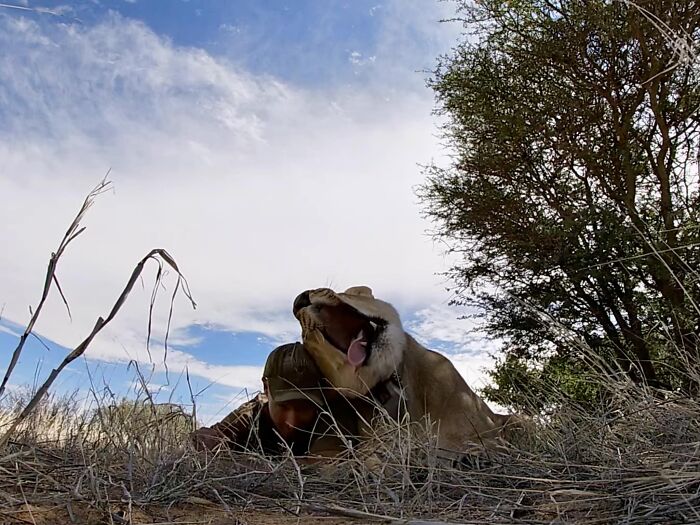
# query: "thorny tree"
573 189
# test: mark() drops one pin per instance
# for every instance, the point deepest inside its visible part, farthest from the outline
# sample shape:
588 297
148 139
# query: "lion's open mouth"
350 331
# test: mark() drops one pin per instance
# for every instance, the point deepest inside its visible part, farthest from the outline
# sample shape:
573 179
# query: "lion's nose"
302 301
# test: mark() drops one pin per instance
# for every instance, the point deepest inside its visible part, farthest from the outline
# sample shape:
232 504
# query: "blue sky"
270 147
312 43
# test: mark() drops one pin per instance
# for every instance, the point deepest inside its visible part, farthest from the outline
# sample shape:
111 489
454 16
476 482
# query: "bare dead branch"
73 231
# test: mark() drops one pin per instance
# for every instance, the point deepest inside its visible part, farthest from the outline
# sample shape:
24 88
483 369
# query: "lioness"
358 342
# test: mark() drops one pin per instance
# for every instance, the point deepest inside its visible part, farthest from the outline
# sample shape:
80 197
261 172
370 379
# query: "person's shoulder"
243 416
250 409
255 403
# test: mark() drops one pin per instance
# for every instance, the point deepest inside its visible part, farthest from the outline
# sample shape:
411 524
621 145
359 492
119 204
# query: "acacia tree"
573 189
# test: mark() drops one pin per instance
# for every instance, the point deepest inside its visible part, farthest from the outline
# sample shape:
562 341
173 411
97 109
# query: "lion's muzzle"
342 326
302 301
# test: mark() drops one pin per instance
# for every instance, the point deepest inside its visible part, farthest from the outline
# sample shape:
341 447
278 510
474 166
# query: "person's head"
293 388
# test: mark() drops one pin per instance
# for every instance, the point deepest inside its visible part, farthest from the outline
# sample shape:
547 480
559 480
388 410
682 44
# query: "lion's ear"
360 290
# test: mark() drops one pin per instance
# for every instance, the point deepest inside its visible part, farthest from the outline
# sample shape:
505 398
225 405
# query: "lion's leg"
329 361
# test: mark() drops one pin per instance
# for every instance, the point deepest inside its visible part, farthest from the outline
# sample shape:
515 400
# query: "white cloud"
452 325
8 330
257 188
452 331
230 28
356 59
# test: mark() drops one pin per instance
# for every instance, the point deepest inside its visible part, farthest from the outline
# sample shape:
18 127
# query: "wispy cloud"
356 59
258 188
454 332
452 326
8 330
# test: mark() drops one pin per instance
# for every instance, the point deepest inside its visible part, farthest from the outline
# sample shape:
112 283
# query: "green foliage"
573 193
535 389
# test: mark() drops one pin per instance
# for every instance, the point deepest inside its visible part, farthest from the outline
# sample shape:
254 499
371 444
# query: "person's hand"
206 438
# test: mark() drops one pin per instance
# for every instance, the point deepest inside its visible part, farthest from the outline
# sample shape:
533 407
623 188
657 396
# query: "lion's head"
356 339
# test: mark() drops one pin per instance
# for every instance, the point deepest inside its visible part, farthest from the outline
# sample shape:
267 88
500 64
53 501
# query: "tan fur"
432 385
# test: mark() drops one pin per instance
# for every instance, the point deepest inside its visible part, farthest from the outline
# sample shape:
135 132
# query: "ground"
199 513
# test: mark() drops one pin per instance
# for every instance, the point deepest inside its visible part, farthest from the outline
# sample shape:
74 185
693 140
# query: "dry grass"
634 462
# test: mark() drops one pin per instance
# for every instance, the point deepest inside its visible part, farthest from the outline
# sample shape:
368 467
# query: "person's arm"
234 430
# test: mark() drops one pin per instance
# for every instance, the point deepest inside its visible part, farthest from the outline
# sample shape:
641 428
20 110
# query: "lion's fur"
431 384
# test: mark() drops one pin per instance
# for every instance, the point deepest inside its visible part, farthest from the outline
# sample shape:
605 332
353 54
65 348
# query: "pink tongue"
357 352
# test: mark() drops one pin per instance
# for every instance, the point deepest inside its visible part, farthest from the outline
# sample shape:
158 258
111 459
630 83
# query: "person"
288 414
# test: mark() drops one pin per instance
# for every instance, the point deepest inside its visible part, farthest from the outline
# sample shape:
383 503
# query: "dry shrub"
634 461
